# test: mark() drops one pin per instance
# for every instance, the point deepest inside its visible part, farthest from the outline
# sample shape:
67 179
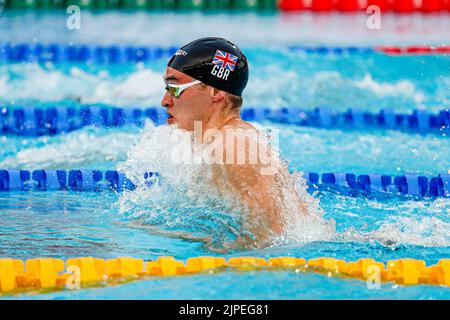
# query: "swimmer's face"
194 104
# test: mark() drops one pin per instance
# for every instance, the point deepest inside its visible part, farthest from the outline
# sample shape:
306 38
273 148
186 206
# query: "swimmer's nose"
167 100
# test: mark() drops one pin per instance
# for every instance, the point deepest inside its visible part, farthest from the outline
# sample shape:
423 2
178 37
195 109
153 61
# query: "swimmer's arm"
258 192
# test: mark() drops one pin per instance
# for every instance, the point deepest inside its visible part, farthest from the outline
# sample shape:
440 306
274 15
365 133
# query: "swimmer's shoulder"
238 123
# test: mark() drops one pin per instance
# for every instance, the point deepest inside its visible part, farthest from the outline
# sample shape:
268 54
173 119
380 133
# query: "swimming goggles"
175 90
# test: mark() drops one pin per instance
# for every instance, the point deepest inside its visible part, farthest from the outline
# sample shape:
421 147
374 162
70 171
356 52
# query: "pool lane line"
50 274
348 184
35 122
256 6
353 6
126 54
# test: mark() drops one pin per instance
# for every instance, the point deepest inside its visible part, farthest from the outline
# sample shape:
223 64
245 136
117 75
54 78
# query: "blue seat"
50 179
84 180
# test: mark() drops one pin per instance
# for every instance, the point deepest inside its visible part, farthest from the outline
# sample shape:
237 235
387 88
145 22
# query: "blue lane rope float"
348 184
55 120
116 54
327 50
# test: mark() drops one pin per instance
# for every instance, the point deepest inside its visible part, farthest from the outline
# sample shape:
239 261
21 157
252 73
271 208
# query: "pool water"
69 224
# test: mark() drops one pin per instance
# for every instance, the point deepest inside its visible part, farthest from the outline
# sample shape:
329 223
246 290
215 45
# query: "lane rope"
30 121
17 276
117 54
348 184
316 6
396 6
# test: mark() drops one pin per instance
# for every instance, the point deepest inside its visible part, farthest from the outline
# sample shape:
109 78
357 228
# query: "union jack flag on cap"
225 60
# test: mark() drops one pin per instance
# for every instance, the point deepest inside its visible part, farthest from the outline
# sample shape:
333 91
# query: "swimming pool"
65 224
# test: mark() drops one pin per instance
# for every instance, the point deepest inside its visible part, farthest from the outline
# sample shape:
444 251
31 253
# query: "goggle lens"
173 91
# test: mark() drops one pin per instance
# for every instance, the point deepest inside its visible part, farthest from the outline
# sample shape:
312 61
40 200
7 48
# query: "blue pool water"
68 224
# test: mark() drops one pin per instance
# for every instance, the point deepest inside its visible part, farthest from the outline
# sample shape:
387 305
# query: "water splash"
416 223
89 147
187 201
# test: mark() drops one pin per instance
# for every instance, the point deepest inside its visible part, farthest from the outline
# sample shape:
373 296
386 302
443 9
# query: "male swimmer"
204 84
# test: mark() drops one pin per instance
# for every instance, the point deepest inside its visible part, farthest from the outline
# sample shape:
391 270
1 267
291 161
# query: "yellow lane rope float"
51 274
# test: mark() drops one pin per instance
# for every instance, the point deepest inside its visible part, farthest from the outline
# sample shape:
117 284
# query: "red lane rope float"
397 6
395 50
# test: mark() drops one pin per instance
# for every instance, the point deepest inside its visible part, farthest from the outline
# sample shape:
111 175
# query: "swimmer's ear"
218 95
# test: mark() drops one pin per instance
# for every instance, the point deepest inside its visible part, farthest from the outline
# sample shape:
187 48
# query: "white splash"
426 231
419 223
402 87
187 195
79 149
141 87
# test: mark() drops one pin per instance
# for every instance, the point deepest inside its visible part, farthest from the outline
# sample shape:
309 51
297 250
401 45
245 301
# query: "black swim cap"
214 61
